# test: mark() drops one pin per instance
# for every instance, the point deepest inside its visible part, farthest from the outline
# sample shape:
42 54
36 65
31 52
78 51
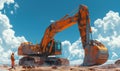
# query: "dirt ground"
109 67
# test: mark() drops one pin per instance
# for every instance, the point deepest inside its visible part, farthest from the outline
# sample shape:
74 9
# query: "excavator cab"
56 48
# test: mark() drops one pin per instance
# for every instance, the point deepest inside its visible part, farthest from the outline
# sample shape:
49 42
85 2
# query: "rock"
91 69
71 68
54 67
117 69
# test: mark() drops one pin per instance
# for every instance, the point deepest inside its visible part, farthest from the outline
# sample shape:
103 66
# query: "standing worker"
12 60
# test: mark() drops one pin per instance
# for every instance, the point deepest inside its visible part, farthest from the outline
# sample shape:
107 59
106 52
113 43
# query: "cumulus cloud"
16 6
11 12
108 33
106 30
2 2
8 41
72 51
114 55
8 2
52 21
94 29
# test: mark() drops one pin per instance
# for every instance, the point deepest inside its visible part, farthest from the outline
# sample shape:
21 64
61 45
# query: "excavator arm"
95 52
81 17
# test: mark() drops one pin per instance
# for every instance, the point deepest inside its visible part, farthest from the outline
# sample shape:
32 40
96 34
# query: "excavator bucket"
95 54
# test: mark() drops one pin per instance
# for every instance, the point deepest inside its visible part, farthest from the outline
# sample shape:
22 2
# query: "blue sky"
26 20
33 16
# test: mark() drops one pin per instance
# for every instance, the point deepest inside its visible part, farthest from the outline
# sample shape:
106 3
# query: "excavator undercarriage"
38 61
33 58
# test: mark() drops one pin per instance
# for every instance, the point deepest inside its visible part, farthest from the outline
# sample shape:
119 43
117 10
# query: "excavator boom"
81 17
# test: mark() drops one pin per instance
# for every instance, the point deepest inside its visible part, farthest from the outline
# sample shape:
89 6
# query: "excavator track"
30 61
37 61
57 61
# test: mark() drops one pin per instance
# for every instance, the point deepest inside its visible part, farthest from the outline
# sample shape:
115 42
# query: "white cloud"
52 21
11 12
4 11
109 23
94 30
2 2
16 6
8 41
4 19
114 55
8 2
115 43
72 51
0 41
104 39
106 30
109 33
76 62
1 49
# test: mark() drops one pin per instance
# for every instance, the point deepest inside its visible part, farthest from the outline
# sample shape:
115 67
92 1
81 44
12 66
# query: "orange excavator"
40 54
